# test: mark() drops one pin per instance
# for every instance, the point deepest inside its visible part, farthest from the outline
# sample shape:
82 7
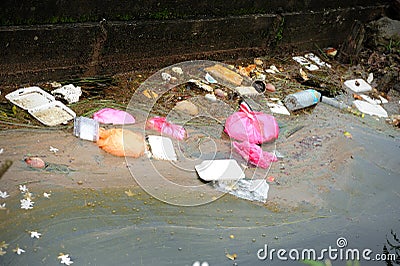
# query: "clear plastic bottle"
302 99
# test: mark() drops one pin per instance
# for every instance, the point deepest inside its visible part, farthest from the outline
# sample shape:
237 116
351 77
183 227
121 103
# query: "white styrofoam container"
30 97
53 113
214 170
357 85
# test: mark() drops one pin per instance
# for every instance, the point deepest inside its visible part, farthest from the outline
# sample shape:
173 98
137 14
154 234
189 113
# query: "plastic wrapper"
161 125
250 126
253 154
113 116
121 142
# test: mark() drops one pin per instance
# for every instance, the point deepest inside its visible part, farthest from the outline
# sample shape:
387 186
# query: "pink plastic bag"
253 154
254 127
113 116
161 125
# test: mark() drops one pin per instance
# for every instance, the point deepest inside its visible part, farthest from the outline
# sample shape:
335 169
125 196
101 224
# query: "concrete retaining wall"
56 40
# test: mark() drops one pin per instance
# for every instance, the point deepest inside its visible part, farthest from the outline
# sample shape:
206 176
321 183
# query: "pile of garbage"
254 93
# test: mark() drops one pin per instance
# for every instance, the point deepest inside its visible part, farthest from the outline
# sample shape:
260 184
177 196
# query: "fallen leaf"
231 256
150 94
129 193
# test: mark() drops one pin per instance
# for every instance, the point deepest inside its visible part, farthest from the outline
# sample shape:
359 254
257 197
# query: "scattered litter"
211 97
113 116
370 109
245 71
162 148
177 70
201 85
161 125
223 73
302 99
254 127
383 100
303 74
210 79
249 189
3 207
69 92
357 85
35 234
150 94
253 154
86 128
330 51
304 62
258 61
187 107
55 84
317 60
217 170
165 76
333 102
260 86
277 107
4 194
272 70
35 162
370 77
53 149
220 93
1 150
246 90
46 195
121 142
370 100
271 179
65 259
347 135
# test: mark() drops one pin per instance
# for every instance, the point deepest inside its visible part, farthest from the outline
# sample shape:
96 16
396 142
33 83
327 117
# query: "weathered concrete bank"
44 40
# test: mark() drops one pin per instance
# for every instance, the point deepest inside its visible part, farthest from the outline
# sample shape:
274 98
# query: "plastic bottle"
302 99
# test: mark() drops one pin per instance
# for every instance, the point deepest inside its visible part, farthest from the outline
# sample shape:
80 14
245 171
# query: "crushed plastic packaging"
161 148
86 128
254 127
113 116
120 142
370 109
249 189
69 92
253 154
161 125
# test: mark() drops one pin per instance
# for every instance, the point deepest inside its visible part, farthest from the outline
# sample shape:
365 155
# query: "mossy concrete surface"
57 40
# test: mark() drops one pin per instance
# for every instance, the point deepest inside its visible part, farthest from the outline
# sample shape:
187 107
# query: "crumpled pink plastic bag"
254 127
161 125
113 116
253 154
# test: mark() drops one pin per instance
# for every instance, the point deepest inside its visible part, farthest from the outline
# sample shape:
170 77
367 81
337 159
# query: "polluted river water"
110 220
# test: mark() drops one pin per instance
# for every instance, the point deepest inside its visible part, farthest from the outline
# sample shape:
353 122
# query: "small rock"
220 93
187 107
35 162
269 87
210 97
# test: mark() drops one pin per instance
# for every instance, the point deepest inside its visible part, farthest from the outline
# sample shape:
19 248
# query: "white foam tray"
216 170
30 97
